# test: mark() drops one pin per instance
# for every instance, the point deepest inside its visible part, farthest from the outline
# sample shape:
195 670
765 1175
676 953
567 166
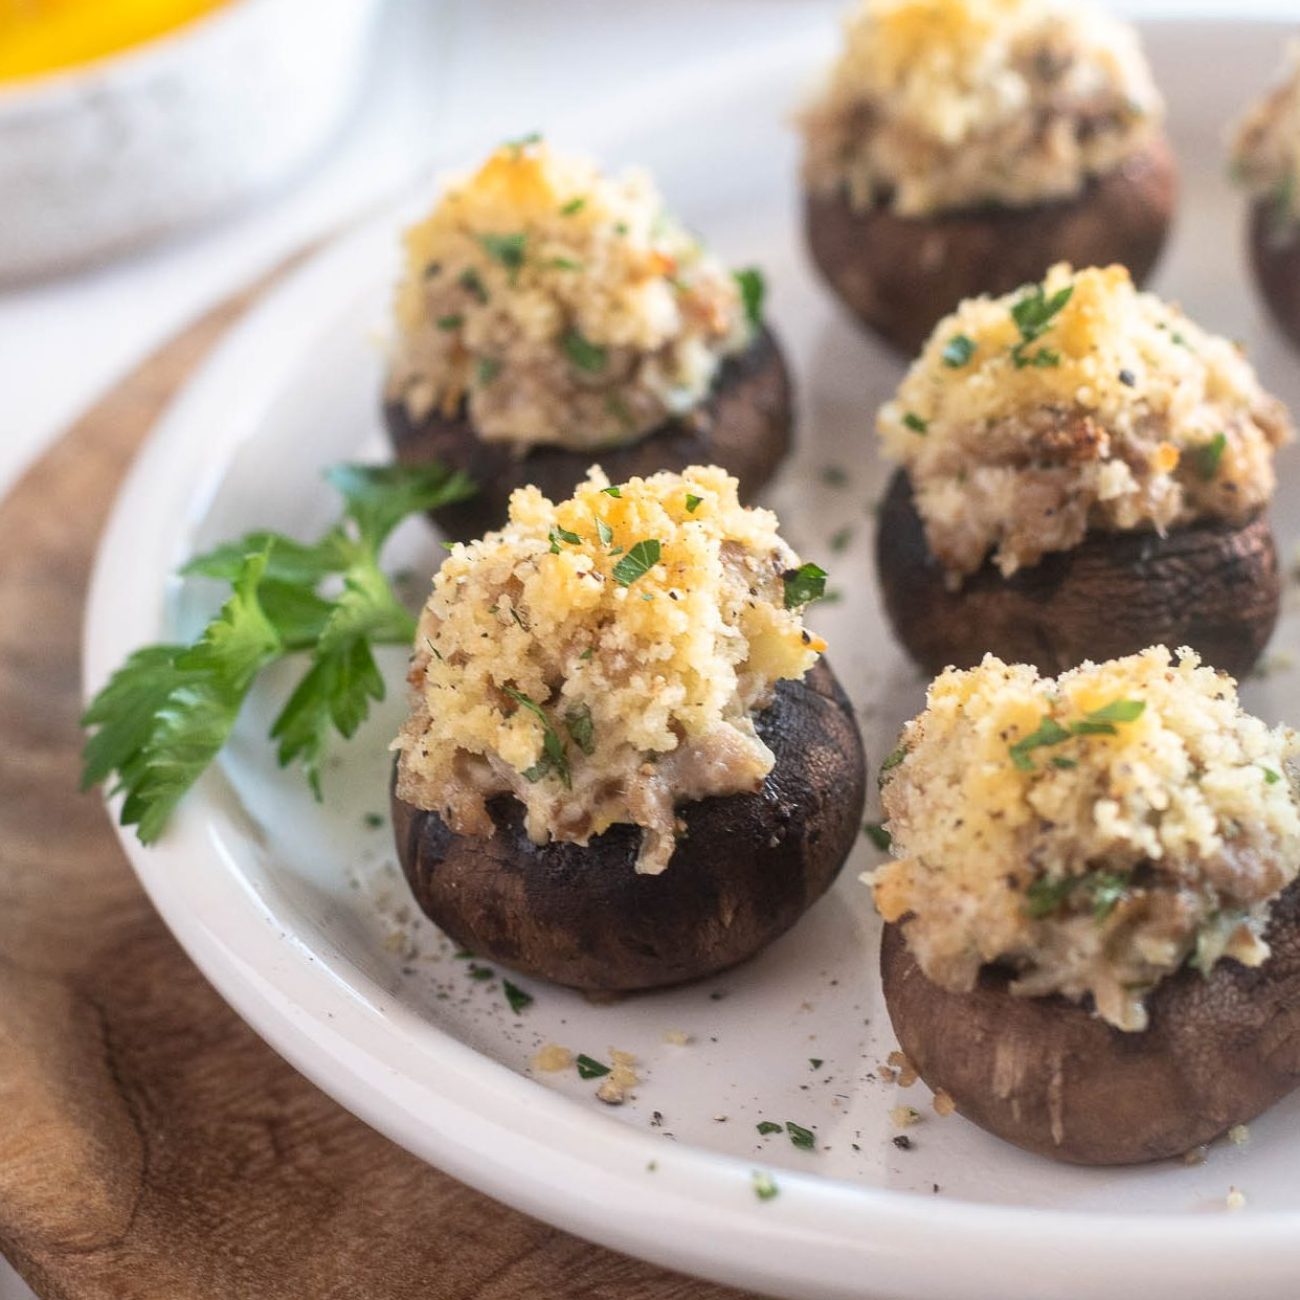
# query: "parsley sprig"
753 289
1049 732
168 711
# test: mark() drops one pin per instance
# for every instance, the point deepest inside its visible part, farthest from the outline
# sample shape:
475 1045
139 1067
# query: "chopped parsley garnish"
767 1126
1271 777
878 835
1105 891
1108 891
765 1187
522 143
375 820
834 476
804 585
573 206
753 289
916 424
553 757
518 999
958 351
1208 456
840 540
890 762
589 1068
1065 764
604 532
472 283
450 322
581 729
587 653
816 1062
637 562
612 491
558 535
509 250
480 973
564 264
1048 732
584 354
488 369
1033 313
1118 711
801 1137
692 502
166 714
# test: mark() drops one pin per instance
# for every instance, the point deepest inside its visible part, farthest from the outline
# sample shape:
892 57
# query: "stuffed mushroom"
962 147
1093 921
1084 472
626 764
1266 161
550 316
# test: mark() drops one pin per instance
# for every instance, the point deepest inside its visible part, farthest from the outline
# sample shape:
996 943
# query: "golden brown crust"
900 276
1210 585
747 868
1048 1076
746 426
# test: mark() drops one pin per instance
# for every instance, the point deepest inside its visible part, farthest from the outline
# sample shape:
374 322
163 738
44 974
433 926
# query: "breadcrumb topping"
1077 404
1266 151
602 659
936 105
554 305
1092 832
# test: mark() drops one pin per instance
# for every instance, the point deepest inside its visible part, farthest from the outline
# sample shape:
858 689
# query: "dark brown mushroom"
745 426
747 867
1275 255
901 275
1211 585
1049 1076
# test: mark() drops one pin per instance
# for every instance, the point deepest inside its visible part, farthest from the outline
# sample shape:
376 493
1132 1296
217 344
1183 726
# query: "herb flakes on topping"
584 354
1207 457
1033 313
522 143
488 369
801 1137
450 322
509 250
604 532
518 999
1271 777
753 289
553 757
573 207
589 1068
612 491
916 424
472 283
765 1187
767 1126
563 264
581 729
558 535
1048 732
692 502
804 585
637 562
816 1062
958 351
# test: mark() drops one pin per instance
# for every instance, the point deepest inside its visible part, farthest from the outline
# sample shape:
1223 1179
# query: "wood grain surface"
150 1144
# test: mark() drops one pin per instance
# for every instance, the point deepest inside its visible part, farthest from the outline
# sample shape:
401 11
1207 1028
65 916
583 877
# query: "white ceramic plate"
297 915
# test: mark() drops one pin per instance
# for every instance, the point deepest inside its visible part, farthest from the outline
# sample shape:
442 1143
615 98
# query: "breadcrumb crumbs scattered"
1239 1135
617 1085
552 1058
943 1104
678 1037
904 1116
907 1075
1236 1199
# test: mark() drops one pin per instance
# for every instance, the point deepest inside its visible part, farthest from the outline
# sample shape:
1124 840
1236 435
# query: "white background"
449 78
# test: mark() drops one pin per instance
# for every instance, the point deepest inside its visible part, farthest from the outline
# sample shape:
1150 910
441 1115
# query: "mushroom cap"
1275 255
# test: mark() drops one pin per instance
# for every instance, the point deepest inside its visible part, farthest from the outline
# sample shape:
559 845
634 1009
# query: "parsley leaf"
581 729
558 535
588 1068
573 206
509 250
916 424
878 835
958 351
167 712
801 1137
604 532
1033 313
637 562
804 585
612 491
553 758
753 289
692 502
1207 457
1048 732
767 1126
518 999
584 354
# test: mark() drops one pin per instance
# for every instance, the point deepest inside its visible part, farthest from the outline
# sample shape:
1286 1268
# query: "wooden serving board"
150 1144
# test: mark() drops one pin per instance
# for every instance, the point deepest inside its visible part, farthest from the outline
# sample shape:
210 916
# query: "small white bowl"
110 155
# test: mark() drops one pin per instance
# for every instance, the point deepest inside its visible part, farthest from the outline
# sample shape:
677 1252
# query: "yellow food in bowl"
40 36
